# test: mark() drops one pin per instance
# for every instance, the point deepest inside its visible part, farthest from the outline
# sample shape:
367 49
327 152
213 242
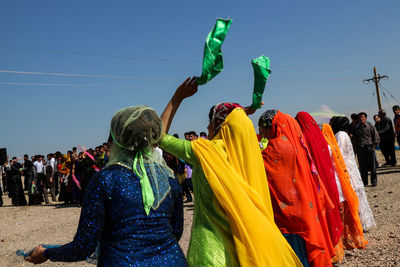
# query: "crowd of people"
63 176
291 195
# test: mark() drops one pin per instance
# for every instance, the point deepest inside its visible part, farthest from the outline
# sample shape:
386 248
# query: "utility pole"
376 79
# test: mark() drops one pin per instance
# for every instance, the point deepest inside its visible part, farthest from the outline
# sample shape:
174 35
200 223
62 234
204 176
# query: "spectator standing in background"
203 135
49 183
351 131
367 139
193 136
1 190
16 188
3 177
396 120
387 138
187 135
30 178
376 120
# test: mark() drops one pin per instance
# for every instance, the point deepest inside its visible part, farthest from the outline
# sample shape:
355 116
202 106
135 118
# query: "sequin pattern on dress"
112 215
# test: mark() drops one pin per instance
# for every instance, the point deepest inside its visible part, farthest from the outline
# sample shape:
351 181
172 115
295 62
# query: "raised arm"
186 89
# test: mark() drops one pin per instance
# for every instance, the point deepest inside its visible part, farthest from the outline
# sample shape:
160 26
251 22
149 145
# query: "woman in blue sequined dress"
133 208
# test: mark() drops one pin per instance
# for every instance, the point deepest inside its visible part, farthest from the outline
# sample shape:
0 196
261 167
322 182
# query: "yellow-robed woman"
233 222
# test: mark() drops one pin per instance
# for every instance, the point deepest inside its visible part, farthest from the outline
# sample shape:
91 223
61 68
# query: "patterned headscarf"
219 112
266 118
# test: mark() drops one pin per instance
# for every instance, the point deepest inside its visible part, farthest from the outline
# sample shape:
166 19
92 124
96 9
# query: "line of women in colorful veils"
315 185
297 201
316 197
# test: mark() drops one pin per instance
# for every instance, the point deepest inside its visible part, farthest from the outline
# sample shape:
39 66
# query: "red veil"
319 151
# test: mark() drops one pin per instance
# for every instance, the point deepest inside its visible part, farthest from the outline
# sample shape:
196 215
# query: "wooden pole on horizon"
376 79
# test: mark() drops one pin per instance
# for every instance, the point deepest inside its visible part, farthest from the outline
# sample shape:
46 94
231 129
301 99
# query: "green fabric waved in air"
261 74
212 59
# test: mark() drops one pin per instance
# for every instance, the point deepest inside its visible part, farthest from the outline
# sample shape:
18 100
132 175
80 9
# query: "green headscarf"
135 130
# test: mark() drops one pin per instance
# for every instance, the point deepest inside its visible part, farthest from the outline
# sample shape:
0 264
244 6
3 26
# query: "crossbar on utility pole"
376 79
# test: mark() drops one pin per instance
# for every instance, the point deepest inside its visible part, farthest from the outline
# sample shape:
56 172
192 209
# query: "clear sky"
137 52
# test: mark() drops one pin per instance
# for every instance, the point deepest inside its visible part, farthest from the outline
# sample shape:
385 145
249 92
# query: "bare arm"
186 89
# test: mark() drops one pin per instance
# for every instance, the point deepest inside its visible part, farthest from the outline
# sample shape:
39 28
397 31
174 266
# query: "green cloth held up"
212 59
261 74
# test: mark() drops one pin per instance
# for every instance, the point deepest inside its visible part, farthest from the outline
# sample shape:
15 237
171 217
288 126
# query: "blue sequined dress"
113 216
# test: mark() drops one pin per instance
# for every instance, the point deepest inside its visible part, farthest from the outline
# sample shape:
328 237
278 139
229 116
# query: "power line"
76 85
311 68
372 98
383 92
394 82
391 95
315 68
95 54
83 75
388 91
96 76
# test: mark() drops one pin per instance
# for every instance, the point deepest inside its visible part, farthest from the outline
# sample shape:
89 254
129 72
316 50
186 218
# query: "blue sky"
138 52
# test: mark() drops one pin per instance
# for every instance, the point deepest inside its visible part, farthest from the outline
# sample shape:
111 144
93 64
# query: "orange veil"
353 236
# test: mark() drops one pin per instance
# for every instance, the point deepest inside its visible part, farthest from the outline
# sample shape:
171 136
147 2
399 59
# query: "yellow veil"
234 168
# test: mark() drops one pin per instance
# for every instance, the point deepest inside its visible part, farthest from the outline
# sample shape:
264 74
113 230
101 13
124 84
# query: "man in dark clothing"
396 120
17 192
367 139
1 190
377 120
85 172
351 131
30 177
3 169
386 135
1 196
57 175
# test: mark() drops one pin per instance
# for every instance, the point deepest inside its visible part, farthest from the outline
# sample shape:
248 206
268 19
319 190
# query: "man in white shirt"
51 161
39 174
39 165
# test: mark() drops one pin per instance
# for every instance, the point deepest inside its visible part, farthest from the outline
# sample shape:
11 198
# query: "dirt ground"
384 240
26 227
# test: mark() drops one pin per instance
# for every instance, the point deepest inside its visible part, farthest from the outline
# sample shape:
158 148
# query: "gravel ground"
384 240
25 227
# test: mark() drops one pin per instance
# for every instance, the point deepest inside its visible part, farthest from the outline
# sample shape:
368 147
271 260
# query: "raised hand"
250 111
187 88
